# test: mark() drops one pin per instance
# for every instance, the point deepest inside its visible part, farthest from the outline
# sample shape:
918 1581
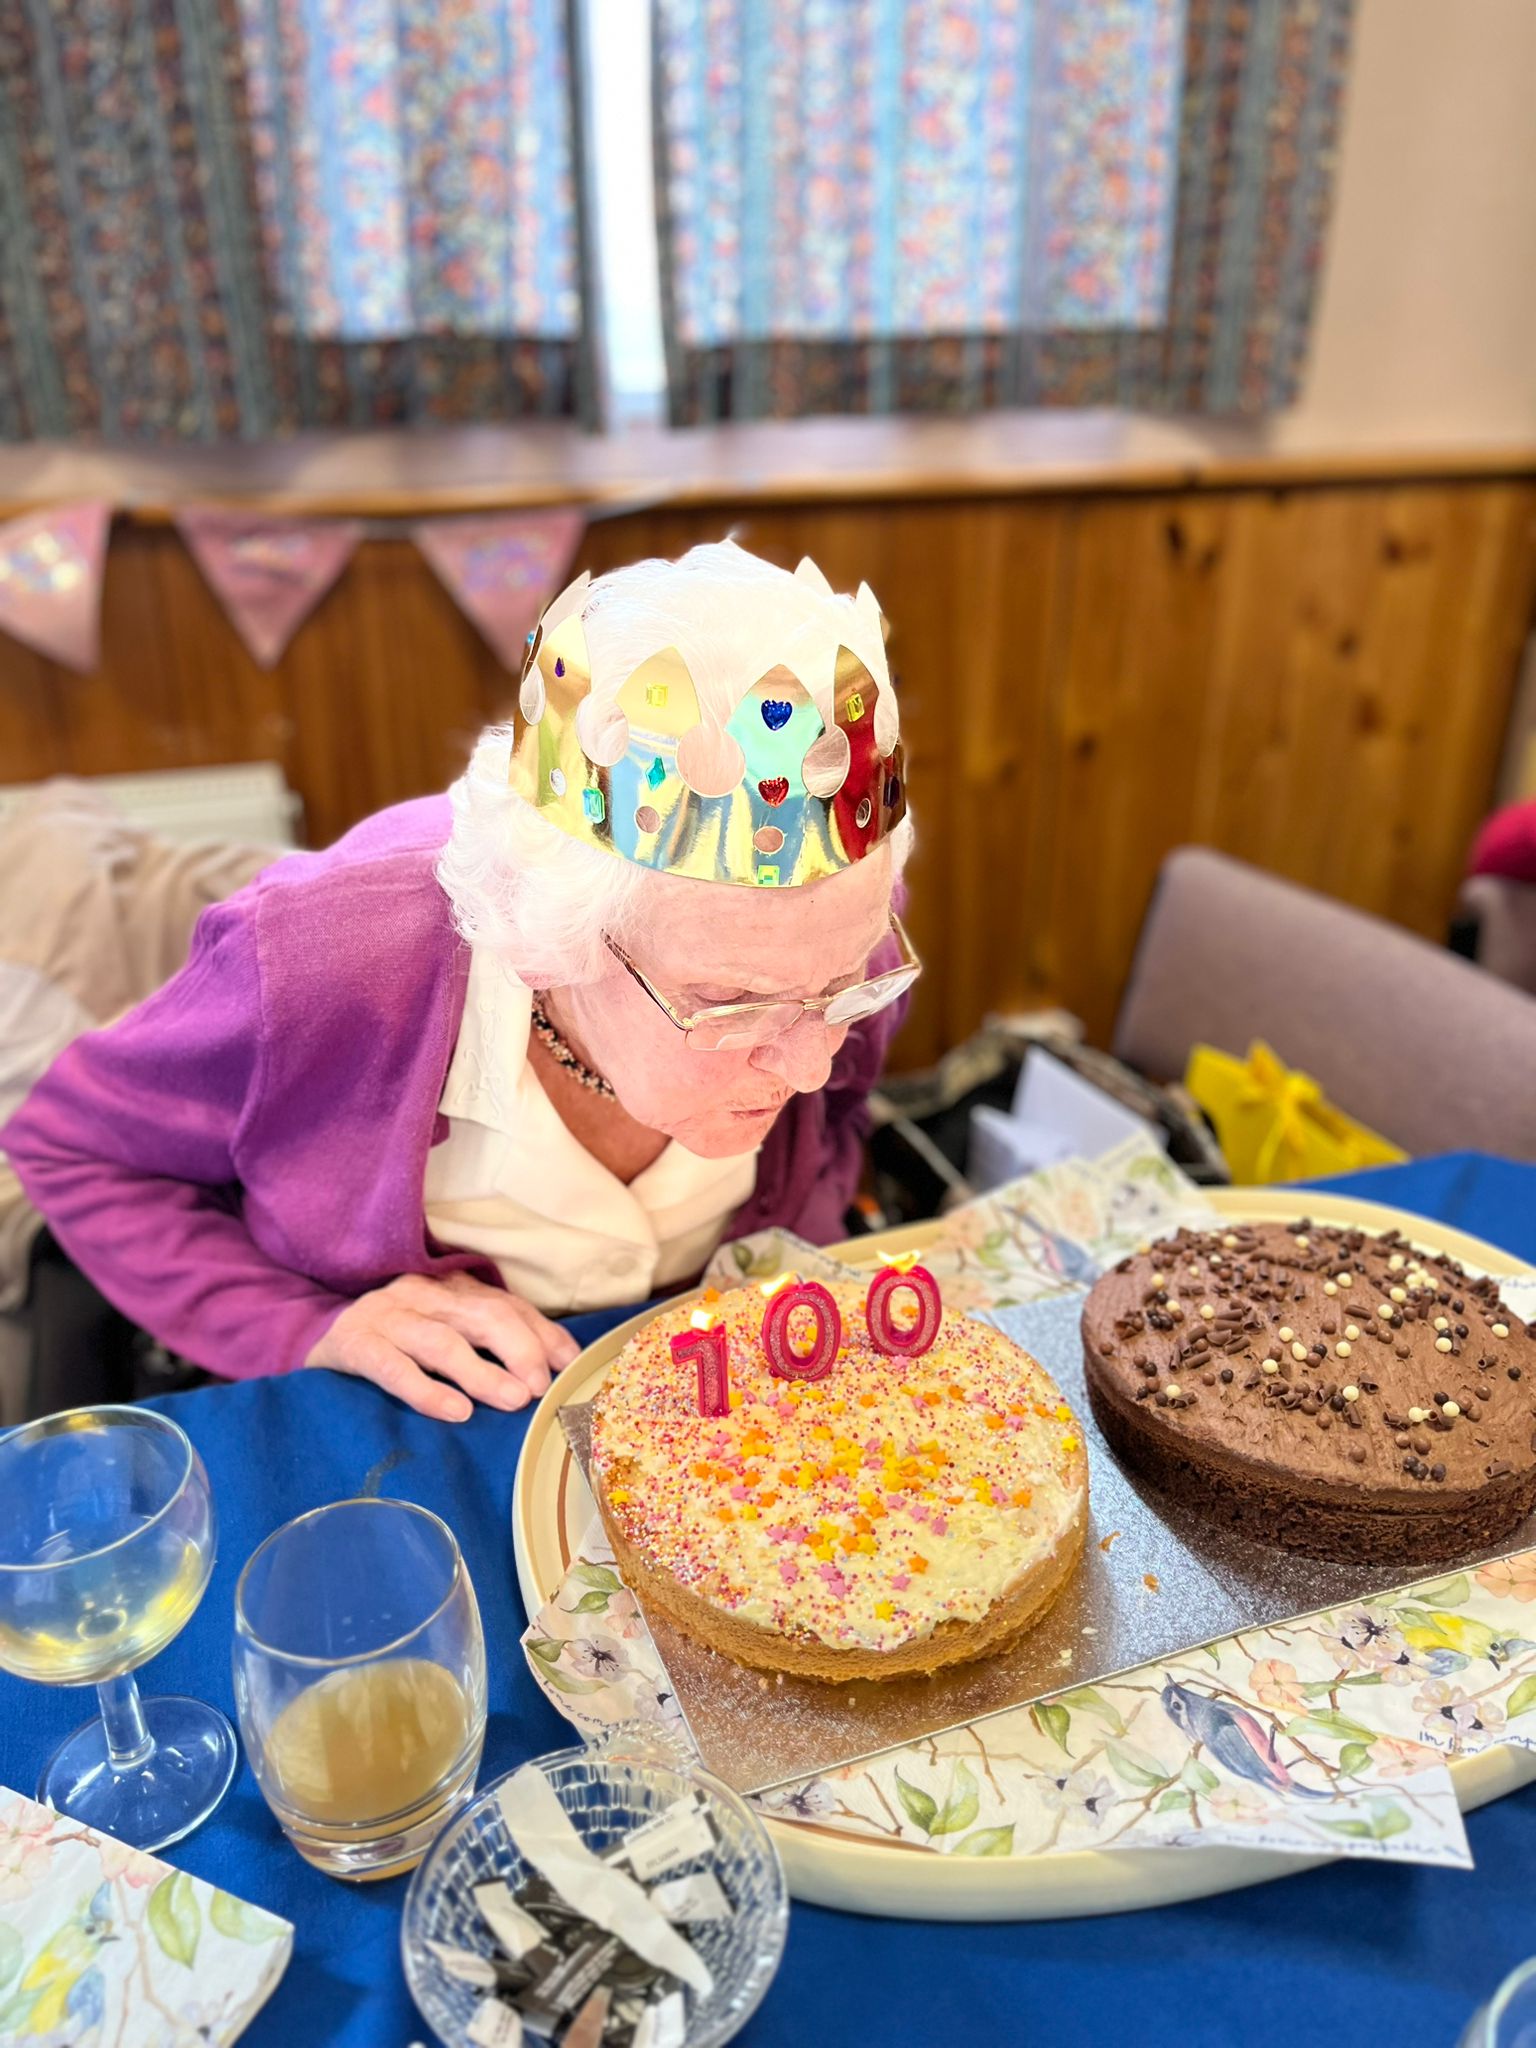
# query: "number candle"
704 1342
895 1339
784 1361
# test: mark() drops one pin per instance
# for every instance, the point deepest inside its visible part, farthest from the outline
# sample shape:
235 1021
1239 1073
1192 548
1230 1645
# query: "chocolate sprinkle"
1246 1290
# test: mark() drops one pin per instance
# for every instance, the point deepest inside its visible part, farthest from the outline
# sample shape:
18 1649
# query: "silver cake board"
1155 1581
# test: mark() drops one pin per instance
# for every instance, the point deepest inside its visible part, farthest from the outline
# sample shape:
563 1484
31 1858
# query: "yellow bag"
1275 1125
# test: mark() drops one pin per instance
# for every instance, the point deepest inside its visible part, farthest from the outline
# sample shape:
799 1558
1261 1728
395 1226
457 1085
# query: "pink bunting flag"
268 573
502 569
50 581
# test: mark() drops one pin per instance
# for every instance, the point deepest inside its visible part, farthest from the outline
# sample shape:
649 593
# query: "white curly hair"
542 901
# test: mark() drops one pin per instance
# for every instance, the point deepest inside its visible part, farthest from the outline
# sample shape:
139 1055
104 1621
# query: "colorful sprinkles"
863 1509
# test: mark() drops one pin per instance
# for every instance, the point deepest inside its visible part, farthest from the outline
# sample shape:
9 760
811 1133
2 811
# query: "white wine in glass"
107 1539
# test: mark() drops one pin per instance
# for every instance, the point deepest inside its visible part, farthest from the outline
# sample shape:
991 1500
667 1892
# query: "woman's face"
712 943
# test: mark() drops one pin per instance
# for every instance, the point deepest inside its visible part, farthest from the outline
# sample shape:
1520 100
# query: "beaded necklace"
564 1054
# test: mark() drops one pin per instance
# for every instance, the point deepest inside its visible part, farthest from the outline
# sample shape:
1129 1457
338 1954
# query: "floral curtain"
873 206
229 218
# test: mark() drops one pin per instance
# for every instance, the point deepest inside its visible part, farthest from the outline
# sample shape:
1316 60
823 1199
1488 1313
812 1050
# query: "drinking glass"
1508 2020
360 1682
107 1538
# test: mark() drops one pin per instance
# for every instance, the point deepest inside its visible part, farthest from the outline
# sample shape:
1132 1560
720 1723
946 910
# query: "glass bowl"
606 1789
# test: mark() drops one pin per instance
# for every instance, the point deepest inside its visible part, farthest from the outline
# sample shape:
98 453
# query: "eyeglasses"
731 1026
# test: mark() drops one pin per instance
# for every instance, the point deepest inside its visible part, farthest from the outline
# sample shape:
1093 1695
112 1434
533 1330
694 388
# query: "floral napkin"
1044 1234
105 1946
1326 1735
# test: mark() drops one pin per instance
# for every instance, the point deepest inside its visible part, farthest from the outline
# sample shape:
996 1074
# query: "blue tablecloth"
1345 1954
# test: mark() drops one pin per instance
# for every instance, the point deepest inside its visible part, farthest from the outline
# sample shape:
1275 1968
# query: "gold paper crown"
772 799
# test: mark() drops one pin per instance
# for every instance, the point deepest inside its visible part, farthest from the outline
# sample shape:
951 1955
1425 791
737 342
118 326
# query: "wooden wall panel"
1316 679
1131 679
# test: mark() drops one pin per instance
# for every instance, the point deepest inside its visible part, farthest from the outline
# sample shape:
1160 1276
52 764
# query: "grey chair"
1504 913
1427 1049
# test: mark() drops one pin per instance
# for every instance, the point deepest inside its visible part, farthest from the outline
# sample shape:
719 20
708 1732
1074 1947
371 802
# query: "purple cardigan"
244 1153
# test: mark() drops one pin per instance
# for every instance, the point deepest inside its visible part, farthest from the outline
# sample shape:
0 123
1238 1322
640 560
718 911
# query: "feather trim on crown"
773 799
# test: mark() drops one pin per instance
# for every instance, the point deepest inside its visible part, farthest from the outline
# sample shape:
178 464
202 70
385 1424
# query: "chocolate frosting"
1429 1405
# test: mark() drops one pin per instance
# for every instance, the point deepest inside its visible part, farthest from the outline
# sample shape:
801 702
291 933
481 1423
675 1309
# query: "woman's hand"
401 1335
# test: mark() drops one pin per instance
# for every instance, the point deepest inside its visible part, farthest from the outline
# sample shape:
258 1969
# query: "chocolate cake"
1331 1390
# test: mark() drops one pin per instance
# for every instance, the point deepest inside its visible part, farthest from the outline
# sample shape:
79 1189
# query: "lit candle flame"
769 1288
701 1319
902 1262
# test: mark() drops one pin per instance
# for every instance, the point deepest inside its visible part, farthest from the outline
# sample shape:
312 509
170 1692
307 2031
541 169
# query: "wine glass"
107 1538
360 1682
1508 2020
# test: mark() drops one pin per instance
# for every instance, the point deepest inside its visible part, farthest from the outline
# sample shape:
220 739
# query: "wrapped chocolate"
602 1898
677 1836
695 1897
584 1956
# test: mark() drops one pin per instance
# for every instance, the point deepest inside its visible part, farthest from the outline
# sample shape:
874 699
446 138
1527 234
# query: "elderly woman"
414 1095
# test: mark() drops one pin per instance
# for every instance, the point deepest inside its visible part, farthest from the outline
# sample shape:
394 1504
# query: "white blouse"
511 1182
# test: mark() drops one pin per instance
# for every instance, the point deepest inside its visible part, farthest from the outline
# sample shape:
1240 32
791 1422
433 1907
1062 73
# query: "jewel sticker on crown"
776 797
856 806
776 724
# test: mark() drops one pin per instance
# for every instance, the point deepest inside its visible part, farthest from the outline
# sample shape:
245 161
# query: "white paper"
696 1897
518 1932
494 2025
543 1832
673 1837
663 2025
1051 1095
464 1965
1001 1148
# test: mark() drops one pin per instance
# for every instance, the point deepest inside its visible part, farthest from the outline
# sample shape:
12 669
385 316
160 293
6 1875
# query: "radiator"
249 804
